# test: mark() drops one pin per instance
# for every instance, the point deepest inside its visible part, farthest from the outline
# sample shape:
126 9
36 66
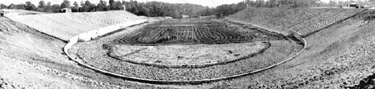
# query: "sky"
210 3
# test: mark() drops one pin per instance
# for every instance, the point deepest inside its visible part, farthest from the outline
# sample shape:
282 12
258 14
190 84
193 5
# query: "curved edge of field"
262 50
203 65
294 36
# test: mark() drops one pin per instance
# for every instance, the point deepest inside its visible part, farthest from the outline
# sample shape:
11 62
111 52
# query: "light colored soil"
336 57
23 75
302 20
340 56
67 25
187 54
30 59
20 48
94 53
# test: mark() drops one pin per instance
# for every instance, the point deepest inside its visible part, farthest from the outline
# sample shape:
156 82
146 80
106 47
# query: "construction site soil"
195 32
184 67
255 48
190 46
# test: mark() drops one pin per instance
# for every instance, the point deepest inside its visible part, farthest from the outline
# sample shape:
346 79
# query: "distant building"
7 12
355 5
66 10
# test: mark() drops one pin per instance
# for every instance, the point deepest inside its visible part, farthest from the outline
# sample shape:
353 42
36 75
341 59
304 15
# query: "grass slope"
302 20
67 25
339 55
31 59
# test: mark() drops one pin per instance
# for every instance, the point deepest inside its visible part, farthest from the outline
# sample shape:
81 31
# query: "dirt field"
338 53
194 31
93 53
186 55
189 43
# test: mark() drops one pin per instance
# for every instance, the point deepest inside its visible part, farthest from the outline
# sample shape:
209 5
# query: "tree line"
154 8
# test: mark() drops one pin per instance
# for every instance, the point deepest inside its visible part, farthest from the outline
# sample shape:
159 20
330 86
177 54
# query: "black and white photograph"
187 44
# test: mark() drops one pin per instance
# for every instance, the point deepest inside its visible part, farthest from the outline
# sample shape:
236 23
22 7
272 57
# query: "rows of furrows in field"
203 34
168 23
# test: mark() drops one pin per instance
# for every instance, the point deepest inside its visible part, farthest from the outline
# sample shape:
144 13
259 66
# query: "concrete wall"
105 30
87 36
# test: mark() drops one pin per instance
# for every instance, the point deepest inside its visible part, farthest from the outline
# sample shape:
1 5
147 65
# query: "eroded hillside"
339 50
67 25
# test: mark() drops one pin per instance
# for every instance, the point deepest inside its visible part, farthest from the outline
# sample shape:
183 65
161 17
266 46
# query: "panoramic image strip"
187 44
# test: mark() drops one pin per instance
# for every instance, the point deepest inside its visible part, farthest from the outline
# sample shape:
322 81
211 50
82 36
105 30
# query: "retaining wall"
87 36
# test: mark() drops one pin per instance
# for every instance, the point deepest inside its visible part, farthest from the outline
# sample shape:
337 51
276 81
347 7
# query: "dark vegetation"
193 31
366 83
154 9
367 16
229 9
